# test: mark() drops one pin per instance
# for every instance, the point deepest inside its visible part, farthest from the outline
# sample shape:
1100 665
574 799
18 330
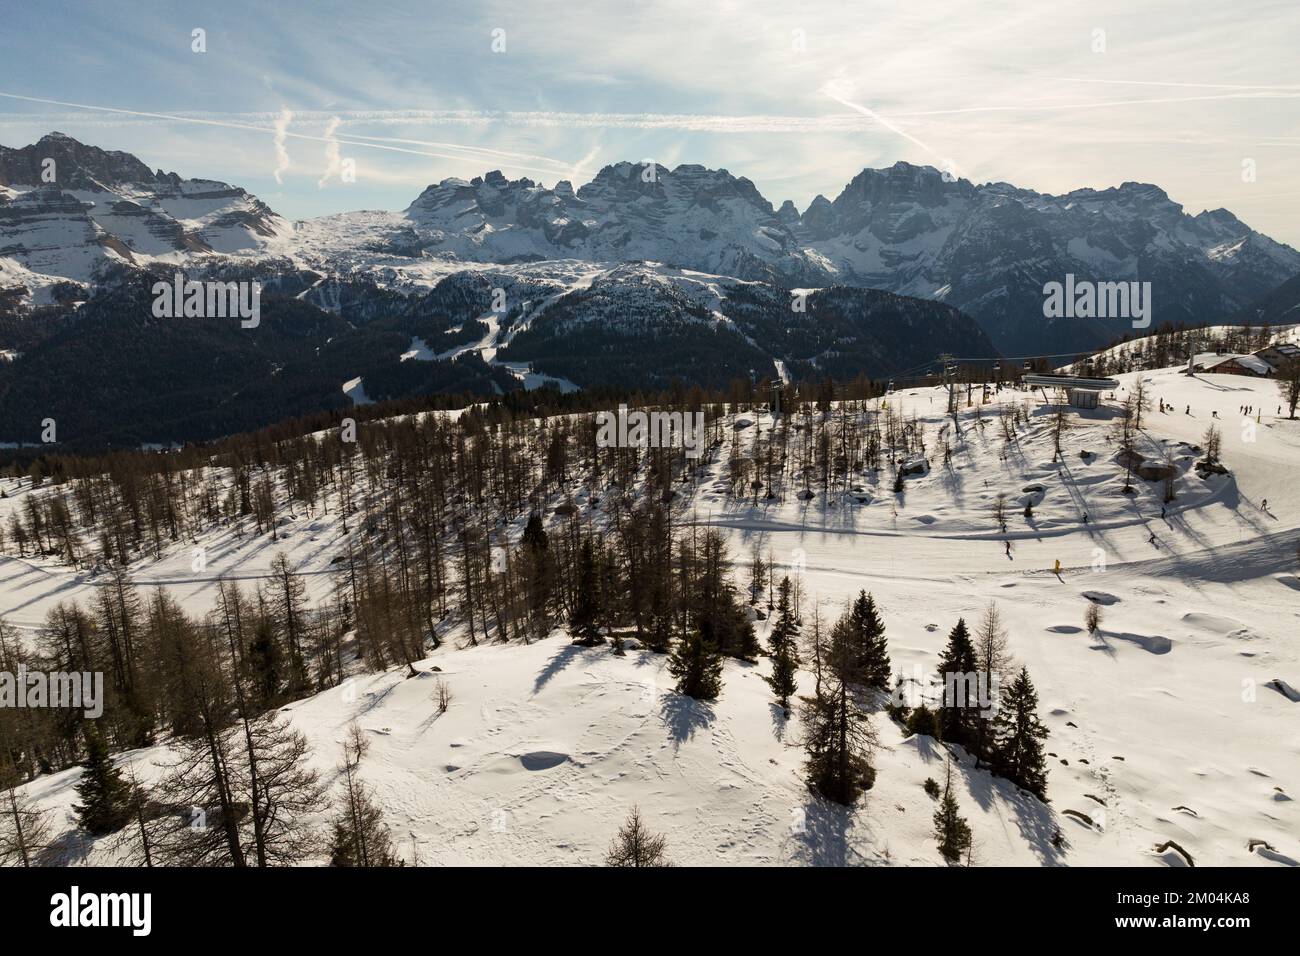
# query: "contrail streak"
1193 86
897 130
228 124
1053 107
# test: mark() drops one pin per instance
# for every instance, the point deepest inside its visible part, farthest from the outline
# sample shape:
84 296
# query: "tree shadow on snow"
70 848
780 720
374 698
1035 820
928 748
821 834
562 659
683 716
954 484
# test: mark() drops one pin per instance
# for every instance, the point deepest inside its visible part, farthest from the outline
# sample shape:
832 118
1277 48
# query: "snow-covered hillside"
1172 722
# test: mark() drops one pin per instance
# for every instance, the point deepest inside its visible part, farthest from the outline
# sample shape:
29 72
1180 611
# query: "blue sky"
798 96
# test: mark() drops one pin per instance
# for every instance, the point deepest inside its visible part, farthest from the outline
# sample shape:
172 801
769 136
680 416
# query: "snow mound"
1151 643
1220 626
542 759
1101 597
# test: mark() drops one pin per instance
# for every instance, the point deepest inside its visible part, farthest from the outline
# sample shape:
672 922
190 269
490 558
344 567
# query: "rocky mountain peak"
76 165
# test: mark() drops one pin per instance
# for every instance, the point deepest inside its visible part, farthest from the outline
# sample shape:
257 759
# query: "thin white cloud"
333 154
281 152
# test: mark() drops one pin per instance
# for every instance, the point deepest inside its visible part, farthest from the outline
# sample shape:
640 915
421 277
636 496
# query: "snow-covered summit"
68 210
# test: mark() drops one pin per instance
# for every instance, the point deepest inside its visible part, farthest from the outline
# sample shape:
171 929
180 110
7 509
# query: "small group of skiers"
1164 406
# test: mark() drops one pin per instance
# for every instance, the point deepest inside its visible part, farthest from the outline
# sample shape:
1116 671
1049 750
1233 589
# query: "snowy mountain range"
68 209
691 270
988 250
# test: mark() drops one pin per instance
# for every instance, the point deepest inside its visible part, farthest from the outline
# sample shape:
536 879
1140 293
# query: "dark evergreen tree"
265 664
713 602
106 797
534 536
838 738
539 575
950 827
1018 736
584 624
866 634
783 643
922 720
956 720
697 665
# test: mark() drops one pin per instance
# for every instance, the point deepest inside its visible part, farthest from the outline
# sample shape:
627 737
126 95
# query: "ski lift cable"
997 359
1020 358
989 358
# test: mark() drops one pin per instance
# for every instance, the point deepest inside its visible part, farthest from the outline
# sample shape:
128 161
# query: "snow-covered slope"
1164 725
